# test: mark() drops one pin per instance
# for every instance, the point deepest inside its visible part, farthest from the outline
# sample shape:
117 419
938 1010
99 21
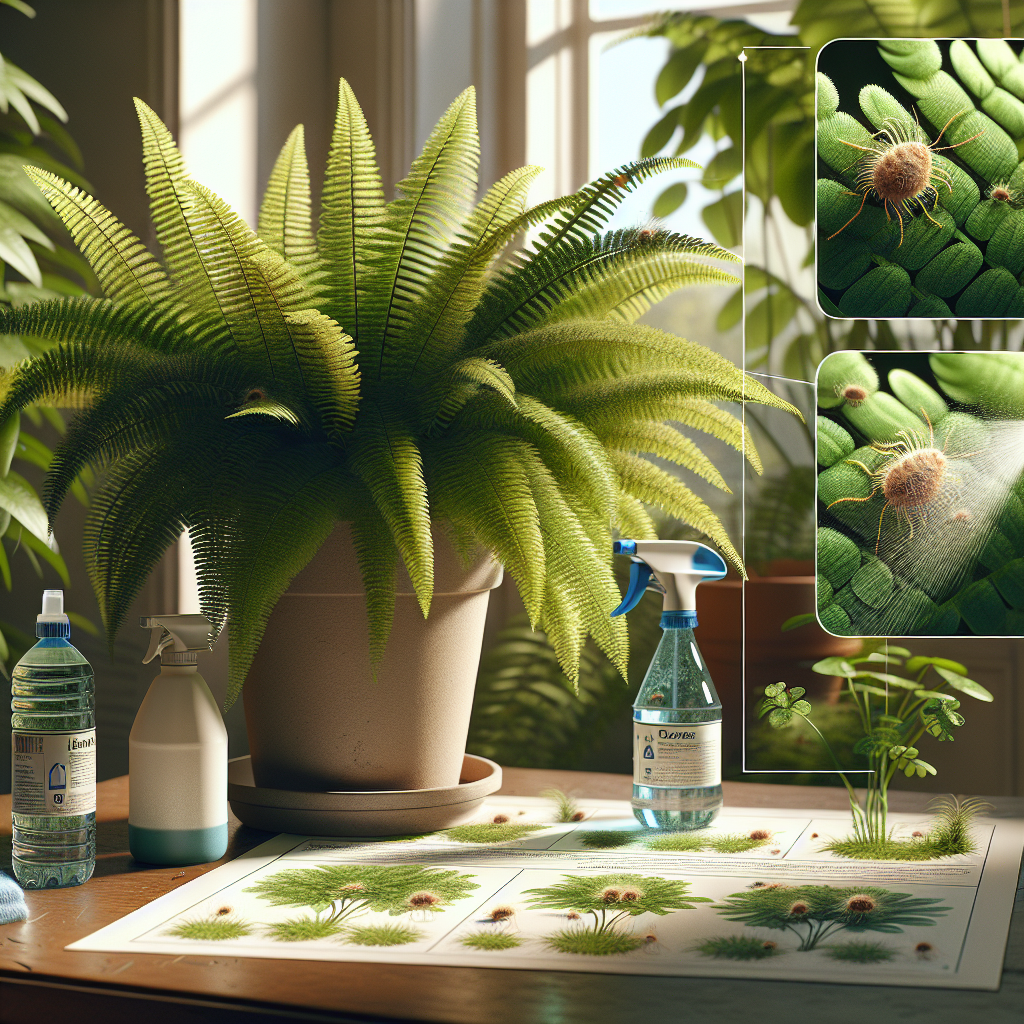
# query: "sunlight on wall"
218 98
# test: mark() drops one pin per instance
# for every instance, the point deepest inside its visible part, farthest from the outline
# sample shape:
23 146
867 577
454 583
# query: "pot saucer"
361 813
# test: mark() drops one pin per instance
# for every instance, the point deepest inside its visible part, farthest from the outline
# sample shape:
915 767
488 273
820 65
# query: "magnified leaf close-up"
920 191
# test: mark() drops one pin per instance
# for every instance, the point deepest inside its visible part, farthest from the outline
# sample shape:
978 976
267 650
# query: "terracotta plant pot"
318 722
771 654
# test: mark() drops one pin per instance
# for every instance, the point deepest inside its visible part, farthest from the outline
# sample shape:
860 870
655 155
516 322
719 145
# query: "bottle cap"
52 621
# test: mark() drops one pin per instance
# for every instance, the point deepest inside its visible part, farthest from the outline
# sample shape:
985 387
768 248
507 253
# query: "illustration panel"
919 193
920 514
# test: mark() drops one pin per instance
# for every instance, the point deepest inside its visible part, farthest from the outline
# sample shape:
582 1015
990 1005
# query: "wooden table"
40 981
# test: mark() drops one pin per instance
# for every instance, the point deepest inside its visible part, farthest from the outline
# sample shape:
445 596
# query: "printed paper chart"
753 896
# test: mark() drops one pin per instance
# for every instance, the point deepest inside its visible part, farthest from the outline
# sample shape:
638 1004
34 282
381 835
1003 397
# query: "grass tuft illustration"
693 842
567 808
383 935
609 839
302 929
738 947
490 832
860 952
587 942
490 940
212 929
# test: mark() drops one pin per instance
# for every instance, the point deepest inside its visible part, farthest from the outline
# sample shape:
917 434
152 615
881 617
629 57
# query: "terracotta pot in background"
318 722
771 654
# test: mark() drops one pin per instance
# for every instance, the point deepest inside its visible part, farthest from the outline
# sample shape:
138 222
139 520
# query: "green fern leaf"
385 456
666 443
284 222
656 487
352 211
123 266
420 223
462 381
378 557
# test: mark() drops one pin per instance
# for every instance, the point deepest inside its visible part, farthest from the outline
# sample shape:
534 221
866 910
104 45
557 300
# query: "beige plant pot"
316 719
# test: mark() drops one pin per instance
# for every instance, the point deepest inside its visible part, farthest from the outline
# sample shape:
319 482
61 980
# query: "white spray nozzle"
677 566
183 634
53 607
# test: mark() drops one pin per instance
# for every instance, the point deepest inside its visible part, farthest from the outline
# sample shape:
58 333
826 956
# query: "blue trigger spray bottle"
677 716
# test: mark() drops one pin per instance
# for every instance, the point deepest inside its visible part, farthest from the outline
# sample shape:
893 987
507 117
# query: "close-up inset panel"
920 519
919 193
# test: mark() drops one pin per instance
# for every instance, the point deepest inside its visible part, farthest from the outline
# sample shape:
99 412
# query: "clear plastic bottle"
53 757
677 734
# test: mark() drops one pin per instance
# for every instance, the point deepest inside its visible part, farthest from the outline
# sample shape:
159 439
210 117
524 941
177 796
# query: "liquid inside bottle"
677 734
53 760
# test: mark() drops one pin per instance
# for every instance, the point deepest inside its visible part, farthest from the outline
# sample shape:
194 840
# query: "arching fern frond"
667 443
462 381
124 267
437 191
654 486
352 211
284 222
377 554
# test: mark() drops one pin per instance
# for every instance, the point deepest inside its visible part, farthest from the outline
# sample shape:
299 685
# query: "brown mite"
656 698
923 947
577 816
798 909
917 835
502 913
629 895
620 179
860 904
500 819
854 394
898 170
222 911
776 852
760 833
611 895
572 916
814 835
256 395
910 479
769 945
424 899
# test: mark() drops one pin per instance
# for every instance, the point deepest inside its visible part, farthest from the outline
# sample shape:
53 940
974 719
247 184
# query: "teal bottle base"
676 810
178 847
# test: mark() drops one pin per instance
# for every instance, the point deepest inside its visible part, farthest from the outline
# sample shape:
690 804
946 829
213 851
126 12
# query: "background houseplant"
36 261
514 403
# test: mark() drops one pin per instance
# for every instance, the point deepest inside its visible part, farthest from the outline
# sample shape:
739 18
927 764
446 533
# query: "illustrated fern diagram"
257 389
956 245
898 557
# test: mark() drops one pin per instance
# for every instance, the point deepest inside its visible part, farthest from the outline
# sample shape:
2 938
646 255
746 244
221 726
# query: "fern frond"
595 203
267 407
437 191
378 557
284 222
576 568
480 484
352 211
654 486
701 415
386 458
329 368
667 443
124 267
632 519
460 383
594 275
135 516
165 174
455 287
99 322
281 507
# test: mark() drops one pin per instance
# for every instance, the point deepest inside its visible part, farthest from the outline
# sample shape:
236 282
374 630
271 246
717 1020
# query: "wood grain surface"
40 981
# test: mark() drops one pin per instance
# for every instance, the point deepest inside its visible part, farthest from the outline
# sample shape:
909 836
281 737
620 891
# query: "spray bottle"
178 753
677 716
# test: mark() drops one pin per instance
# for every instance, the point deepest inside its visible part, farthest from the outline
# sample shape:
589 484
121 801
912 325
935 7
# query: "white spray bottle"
677 716
178 753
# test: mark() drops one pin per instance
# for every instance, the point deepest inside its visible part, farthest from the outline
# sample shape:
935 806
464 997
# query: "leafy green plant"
491 832
813 912
896 557
490 940
36 262
567 809
303 929
738 947
611 900
896 710
860 952
384 372
961 253
344 891
382 935
211 929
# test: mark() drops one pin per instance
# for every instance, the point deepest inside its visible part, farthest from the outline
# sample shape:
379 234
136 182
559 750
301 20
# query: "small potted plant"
359 426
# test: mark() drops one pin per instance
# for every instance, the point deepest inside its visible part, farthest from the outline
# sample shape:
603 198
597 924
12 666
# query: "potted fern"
364 423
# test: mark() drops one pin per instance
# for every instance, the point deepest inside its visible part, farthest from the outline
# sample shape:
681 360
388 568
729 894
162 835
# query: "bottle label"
53 773
677 755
